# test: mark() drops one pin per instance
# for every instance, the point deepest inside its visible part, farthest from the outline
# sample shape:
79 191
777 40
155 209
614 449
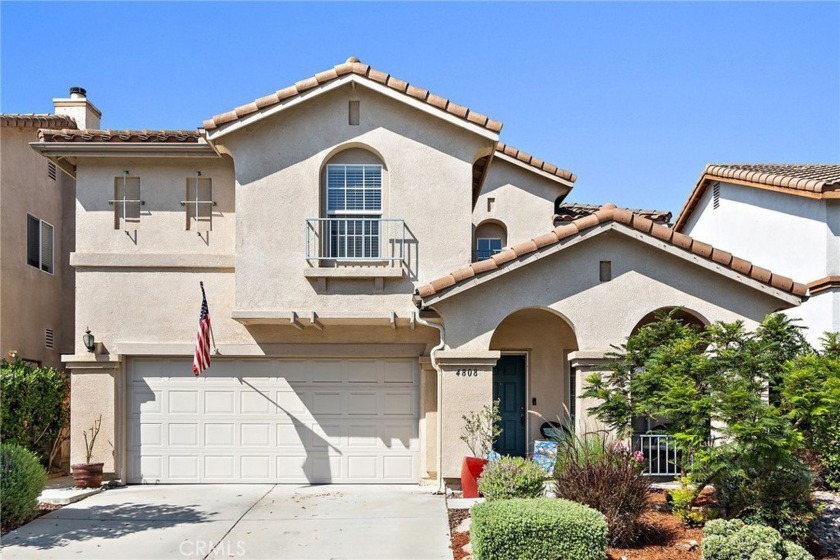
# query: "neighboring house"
325 221
37 210
567 211
785 216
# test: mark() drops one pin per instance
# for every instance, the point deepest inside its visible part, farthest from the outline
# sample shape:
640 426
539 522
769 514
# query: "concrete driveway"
241 521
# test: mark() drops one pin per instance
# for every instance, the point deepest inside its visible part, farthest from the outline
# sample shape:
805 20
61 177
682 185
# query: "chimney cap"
76 90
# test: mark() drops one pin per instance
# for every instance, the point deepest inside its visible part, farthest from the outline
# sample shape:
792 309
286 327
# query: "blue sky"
633 97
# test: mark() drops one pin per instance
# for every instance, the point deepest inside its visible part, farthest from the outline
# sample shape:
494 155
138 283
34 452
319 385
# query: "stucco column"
428 418
585 363
97 388
467 386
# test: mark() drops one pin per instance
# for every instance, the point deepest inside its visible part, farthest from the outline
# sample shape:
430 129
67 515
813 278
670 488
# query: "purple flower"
639 456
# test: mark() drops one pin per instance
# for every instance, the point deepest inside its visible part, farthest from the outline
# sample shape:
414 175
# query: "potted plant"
87 474
481 429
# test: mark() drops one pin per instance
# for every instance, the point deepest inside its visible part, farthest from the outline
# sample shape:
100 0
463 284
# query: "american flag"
201 360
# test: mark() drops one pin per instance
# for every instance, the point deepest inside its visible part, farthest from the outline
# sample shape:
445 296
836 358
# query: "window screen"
199 204
127 203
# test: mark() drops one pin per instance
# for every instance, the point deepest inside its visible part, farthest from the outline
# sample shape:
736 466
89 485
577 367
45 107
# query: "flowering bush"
512 477
605 476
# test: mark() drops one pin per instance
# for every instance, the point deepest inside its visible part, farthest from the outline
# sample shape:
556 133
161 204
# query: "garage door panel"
292 421
181 435
219 467
219 402
219 434
251 435
326 403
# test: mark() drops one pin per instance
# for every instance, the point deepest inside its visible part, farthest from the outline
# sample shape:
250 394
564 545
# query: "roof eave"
551 177
124 149
233 126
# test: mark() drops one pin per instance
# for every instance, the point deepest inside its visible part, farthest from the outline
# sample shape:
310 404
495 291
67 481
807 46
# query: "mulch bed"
458 540
43 509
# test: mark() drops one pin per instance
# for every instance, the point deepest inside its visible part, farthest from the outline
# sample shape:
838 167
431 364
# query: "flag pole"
212 334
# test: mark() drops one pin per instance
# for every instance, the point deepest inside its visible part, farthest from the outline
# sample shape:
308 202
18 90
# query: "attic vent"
353 112
605 271
51 170
716 196
49 339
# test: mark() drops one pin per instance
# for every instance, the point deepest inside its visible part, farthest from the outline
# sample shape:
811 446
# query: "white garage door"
295 421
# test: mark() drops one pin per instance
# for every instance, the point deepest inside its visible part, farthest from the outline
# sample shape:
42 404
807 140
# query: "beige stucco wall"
278 166
601 313
523 201
32 300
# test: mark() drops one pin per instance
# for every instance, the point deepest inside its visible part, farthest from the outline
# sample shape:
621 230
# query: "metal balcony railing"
356 239
661 455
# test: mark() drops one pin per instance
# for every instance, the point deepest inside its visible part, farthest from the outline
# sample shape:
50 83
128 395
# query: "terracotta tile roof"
353 66
609 213
145 136
535 162
823 284
567 212
810 179
36 120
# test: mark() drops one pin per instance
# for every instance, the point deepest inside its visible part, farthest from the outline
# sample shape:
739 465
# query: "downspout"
439 427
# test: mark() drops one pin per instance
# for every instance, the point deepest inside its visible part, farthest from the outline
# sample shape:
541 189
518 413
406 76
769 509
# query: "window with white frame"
127 203
39 243
199 204
354 211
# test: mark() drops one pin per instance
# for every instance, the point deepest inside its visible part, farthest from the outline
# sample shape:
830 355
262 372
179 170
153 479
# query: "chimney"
78 108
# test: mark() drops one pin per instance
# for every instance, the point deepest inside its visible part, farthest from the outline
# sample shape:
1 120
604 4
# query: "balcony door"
352 229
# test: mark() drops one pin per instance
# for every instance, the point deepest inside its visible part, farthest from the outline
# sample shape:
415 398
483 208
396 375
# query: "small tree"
711 388
481 429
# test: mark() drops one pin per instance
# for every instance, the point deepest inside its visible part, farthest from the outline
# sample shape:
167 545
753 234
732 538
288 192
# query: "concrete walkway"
241 521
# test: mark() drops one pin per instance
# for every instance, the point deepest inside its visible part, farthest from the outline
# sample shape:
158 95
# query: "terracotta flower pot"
471 469
88 475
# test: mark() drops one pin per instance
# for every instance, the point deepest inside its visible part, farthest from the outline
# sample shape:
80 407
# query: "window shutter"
46 247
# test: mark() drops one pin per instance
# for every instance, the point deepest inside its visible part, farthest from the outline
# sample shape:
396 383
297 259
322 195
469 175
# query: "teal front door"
509 388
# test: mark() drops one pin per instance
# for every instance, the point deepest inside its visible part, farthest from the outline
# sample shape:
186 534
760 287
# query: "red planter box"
471 469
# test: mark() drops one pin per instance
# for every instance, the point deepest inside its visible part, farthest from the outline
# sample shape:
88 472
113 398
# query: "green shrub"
22 479
512 477
522 529
34 407
735 540
779 498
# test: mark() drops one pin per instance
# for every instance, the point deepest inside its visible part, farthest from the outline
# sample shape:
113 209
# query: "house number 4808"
467 373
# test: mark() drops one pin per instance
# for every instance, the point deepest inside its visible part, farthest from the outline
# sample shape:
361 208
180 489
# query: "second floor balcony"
355 241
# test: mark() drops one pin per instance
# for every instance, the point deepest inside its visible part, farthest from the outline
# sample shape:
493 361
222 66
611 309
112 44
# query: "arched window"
490 238
352 207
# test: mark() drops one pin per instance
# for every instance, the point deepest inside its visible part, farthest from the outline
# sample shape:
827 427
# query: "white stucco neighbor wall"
791 235
522 201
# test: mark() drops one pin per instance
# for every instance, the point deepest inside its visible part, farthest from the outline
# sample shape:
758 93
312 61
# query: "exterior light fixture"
90 342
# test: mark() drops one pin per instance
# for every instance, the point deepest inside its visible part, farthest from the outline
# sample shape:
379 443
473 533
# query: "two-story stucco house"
376 263
37 210
783 215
